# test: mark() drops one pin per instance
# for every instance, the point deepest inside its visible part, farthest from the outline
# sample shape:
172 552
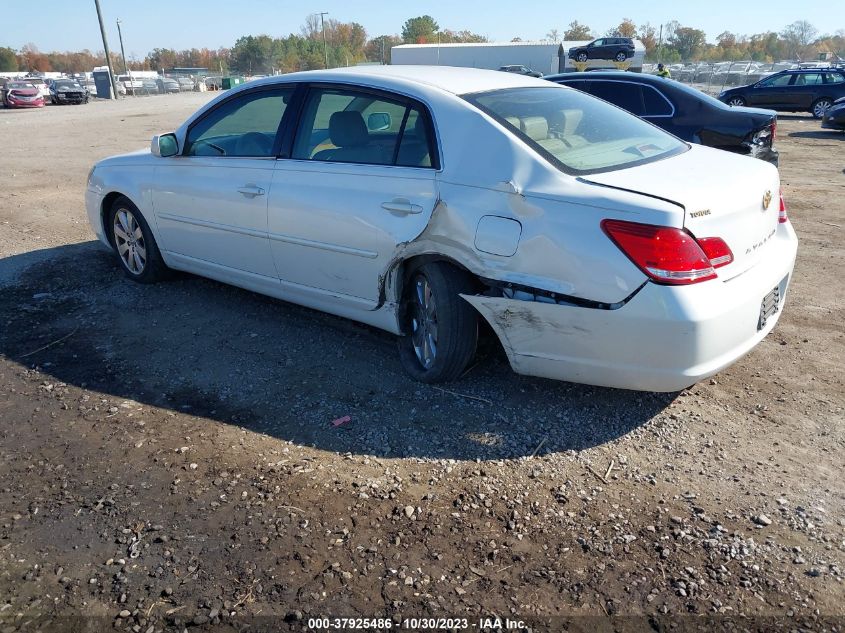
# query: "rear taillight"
716 251
782 212
774 129
667 255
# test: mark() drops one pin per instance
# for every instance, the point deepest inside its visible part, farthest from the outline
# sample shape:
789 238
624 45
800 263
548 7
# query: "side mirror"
164 145
378 122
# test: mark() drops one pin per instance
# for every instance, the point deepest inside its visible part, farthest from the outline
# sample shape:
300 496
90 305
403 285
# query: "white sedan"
600 249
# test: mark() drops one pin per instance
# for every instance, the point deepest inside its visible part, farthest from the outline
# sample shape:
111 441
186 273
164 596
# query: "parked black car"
519 69
834 116
68 91
616 48
683 111
806 89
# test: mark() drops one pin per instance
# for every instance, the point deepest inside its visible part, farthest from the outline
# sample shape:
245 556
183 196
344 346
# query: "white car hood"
141 156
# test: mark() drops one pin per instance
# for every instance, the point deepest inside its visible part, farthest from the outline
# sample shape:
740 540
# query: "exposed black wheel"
134 243
621 57
736 101
581 57
441 328
820 107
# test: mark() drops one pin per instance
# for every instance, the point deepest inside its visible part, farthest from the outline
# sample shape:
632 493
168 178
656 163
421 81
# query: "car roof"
811 70
451 79
607 74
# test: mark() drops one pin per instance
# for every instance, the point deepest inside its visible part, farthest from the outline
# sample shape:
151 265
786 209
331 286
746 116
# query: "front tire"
582 57
134 244
736 101
442 328
820 107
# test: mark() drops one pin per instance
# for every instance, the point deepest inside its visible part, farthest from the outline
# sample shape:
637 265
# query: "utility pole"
660 44
325 45
122 52
106 48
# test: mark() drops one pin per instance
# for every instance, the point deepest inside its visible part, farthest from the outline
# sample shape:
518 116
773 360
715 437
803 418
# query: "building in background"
546 57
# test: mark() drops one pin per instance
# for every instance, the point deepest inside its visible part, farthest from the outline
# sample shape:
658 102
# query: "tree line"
674 42
333 43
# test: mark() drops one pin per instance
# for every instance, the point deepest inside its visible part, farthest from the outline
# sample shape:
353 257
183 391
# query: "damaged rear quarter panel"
562 248
488 170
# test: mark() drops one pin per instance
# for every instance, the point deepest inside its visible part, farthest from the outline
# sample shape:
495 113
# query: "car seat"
348 132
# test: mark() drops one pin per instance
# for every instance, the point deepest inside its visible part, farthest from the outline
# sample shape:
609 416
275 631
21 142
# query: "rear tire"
442 328
820 107
621 57
133 243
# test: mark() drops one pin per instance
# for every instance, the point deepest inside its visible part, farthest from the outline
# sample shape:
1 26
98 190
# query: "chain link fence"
713 77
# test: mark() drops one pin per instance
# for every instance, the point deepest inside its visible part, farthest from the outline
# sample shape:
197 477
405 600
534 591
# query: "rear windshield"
575 131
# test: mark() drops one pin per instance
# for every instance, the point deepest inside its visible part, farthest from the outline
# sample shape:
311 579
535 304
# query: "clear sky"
72 24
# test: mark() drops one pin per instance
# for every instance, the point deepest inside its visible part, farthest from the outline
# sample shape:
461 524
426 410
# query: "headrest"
514 121
535 127
347 129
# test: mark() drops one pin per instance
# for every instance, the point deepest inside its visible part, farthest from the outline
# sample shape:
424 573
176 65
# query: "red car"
20 94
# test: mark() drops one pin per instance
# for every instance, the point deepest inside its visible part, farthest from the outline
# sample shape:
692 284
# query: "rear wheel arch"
393 286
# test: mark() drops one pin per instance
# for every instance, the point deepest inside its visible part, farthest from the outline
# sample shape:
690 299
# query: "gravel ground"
168 458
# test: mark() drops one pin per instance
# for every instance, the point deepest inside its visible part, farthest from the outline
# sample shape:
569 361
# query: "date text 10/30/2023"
416 624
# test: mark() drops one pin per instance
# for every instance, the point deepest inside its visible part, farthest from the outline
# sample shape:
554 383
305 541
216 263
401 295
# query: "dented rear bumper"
665 338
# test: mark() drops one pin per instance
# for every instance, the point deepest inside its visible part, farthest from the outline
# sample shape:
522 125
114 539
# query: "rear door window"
352 126
808 79
834 78
625 95
656 103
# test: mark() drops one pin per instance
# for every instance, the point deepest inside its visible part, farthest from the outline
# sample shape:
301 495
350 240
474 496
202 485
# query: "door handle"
401 205
250 191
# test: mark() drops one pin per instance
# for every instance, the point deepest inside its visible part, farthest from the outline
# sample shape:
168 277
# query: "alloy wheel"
820 107
736 101
424 322
129 240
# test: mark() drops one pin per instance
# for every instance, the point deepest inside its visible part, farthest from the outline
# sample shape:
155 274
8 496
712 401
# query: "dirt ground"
168 459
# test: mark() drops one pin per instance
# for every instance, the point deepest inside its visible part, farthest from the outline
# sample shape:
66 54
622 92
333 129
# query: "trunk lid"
722 195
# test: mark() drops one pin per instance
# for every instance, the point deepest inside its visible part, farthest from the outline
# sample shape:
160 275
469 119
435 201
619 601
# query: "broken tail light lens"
667 255
782 218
